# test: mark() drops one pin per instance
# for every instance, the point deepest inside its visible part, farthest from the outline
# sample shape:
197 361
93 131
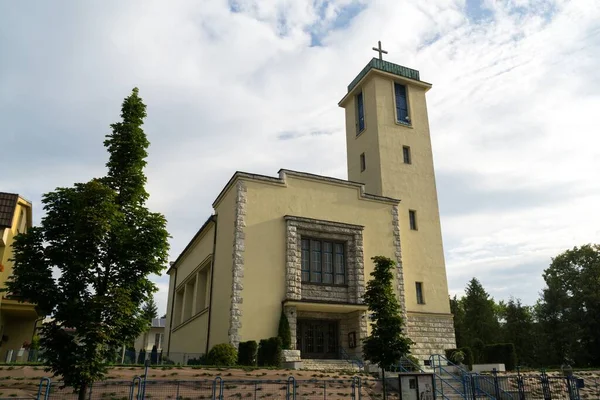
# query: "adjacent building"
303 243
17 320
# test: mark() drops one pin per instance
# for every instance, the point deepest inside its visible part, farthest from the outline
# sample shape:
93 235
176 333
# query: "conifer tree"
387 343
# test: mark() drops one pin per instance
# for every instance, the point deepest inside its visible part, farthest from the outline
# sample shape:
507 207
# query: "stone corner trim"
235 311
432 334
398 259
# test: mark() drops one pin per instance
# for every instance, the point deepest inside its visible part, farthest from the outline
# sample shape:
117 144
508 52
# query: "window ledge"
404 124
361 132
187 321
343 285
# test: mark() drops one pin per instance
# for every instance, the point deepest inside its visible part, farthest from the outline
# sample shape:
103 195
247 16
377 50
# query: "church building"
302 243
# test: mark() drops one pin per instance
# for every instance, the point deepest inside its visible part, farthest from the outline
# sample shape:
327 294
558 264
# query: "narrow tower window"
360 113
401 104
406 154
412 217
363 162
420 298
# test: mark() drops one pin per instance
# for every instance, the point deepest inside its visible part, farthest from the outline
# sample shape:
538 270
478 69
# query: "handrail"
359 363
438 361
499 392
405 360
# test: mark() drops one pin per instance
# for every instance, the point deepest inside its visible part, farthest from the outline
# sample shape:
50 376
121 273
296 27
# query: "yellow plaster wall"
8 234
18 331
199 253
366 142
219 325
414 185
190 338
265 233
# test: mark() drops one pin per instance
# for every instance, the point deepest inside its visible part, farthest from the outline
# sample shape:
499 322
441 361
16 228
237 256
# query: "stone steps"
328 365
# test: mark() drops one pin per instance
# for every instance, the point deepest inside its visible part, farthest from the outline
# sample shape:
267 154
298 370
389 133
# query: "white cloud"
511 109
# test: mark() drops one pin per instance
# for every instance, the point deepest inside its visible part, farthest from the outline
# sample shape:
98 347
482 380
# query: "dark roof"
212 218
158 322
8 203
385 66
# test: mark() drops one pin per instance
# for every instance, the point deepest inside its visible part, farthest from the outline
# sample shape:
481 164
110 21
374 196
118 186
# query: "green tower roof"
385 66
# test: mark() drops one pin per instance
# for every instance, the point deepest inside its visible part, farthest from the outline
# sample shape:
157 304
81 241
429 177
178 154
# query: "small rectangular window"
363 162
401 104
420 298
406 154
412 217
360 113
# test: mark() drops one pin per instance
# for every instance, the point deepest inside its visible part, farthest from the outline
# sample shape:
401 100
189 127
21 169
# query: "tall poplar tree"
104 243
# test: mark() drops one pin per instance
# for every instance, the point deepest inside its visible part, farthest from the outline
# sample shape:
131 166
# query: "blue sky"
253 85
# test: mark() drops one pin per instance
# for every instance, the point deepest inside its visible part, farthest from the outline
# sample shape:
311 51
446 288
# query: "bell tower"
389 151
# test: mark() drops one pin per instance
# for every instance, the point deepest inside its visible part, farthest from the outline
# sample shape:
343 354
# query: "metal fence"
477 387
217 389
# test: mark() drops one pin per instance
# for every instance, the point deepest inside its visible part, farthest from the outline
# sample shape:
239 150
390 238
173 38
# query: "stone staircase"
449 386
328 365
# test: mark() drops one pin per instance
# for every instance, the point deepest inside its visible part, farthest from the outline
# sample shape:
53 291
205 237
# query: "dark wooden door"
317 339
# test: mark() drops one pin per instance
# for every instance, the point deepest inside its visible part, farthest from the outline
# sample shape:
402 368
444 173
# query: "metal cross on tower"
380 50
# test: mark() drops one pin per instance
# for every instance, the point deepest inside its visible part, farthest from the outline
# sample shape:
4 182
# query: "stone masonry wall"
432 334
235 311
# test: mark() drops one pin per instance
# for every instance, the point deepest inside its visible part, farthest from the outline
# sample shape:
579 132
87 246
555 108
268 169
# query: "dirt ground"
22 382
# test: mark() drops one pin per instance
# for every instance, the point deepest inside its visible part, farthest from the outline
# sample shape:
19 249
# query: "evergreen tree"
387 343
457 309
150 310
518 329
480 316
285 333
104 243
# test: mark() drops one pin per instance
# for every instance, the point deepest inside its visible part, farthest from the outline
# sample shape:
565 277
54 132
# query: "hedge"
501 353
223 354
247 353
269 352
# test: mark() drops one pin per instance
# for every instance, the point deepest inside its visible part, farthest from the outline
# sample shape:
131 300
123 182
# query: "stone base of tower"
431 334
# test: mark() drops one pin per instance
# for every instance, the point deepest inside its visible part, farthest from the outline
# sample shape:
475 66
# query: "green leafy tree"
480 315
387 343
150 310
569 308
284 332
104 243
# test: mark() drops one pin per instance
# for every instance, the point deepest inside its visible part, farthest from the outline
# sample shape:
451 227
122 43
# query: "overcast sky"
254 85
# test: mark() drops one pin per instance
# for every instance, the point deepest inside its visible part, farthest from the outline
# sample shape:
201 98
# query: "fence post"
473 387
520 385
47 391
324 390
496 387
292 393
218 380
177 394
91 389
545 385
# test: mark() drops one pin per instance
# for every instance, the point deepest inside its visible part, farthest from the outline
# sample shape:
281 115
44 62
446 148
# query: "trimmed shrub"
247 353
154 355
467 356
142 357
197 361
223 354
284 332
478 348
130 354
501 353
269 352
